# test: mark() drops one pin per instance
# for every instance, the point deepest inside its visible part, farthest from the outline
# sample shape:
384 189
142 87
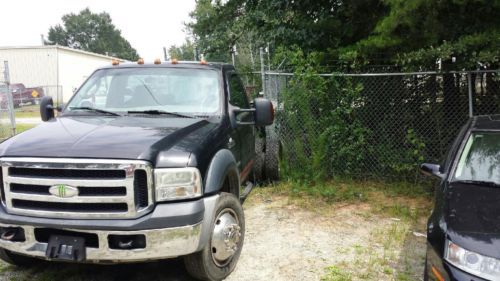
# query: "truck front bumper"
161 242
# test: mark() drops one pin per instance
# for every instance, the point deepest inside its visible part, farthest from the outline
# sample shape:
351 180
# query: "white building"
58 70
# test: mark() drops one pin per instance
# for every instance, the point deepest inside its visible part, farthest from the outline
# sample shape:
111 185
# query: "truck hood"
473 217
127 137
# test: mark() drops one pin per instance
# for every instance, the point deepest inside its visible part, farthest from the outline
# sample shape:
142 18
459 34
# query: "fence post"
10 102
469 82
262 71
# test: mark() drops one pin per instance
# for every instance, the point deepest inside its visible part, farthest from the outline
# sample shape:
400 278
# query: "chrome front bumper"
160 244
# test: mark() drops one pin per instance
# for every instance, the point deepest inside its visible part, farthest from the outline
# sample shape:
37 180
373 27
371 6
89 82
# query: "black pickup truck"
146 161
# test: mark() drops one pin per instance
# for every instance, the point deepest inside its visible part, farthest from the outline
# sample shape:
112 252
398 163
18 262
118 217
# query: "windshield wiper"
478 182
159 112
95 110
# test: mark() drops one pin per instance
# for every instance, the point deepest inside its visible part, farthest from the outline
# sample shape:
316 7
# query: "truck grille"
100 189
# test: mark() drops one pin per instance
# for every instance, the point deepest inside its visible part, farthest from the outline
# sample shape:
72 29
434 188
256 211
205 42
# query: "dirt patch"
285 242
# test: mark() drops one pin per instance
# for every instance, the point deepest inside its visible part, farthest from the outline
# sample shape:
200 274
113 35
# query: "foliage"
355 35
92 32
342 126
321 114
416 33
185 52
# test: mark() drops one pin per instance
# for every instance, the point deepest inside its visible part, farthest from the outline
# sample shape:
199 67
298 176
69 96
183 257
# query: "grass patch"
396 199
392 252
336 274
30 111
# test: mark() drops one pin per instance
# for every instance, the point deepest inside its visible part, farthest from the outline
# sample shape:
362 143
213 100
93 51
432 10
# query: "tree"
356 34
92 32
186 51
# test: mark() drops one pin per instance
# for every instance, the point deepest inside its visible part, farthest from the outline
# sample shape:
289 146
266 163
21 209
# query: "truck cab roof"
179 64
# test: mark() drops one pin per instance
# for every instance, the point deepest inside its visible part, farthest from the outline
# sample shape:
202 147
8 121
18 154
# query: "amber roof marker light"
115 62
140 61
157 61
203 62
174 61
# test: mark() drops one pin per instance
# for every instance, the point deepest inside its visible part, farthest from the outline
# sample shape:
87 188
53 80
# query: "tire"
272 156
258 167
206 265
17 260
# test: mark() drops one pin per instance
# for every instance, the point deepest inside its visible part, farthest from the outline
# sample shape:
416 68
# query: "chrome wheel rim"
225 237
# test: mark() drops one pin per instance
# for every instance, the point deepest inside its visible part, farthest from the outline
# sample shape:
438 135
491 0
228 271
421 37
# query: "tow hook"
8 235
14 234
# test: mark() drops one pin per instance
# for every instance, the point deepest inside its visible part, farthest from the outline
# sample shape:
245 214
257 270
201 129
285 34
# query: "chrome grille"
106 188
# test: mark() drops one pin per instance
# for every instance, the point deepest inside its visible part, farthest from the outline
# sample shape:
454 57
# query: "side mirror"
46 108
431 170
264 112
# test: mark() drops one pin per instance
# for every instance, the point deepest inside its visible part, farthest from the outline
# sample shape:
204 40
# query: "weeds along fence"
380 124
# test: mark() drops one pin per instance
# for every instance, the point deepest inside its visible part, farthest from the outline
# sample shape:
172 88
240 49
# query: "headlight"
474 263
177 183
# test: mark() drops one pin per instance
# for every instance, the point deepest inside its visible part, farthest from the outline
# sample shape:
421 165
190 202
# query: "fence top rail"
383 74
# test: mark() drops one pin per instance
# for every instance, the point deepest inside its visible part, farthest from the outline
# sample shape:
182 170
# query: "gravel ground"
283 242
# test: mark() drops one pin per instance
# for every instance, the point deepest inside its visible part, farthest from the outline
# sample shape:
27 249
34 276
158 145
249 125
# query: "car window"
190 91
480 158
237 96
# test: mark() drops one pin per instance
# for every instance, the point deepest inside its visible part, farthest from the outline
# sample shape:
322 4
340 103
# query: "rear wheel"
219 257
17 260
272 155
258 167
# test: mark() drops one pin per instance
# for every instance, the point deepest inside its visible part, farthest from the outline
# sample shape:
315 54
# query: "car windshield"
193 92
480 159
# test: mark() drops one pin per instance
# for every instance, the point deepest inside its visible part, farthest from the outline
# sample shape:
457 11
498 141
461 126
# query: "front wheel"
219 257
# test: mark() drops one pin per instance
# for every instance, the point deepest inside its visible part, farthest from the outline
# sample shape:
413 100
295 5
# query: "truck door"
244 134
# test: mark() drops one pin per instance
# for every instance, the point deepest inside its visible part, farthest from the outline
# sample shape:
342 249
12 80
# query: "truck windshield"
193 92
480 159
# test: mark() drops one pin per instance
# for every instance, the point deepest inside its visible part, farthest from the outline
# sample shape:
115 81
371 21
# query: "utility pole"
9 96
165 57
262 70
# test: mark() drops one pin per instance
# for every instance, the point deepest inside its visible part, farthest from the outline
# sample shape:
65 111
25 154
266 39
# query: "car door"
243 135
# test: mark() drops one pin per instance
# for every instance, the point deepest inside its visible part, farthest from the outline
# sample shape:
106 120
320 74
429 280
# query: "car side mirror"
264 112
431 170
46 108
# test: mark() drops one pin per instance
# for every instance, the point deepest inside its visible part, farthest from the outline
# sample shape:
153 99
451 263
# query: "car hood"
154 139
473 217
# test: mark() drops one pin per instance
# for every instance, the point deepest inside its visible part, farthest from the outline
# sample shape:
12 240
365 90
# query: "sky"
148 25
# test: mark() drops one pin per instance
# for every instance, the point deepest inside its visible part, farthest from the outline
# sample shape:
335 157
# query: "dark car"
463 231
145 162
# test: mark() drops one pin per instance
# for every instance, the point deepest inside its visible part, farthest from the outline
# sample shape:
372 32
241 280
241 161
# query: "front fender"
222 164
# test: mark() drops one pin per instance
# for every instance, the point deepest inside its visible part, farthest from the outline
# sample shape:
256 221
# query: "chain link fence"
375 124
7 117
19 109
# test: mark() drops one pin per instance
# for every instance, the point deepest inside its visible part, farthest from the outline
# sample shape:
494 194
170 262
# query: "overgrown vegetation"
355 35
340 126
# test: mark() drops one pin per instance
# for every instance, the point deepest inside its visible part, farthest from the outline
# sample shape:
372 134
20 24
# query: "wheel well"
231 183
